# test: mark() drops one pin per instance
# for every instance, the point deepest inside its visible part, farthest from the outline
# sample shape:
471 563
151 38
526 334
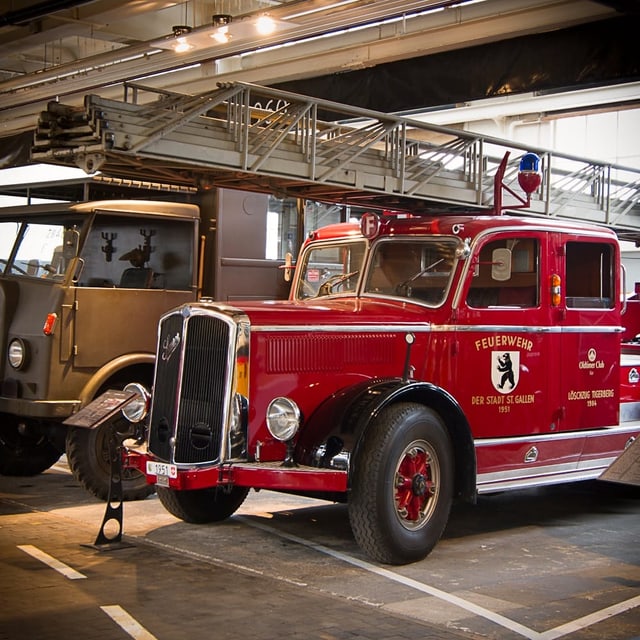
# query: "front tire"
88 452
402 484
199 506
24 452
90 462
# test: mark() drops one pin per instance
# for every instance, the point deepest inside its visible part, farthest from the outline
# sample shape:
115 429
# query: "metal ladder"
260 139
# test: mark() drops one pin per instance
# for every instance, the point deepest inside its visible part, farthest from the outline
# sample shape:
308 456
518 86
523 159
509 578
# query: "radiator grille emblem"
169 345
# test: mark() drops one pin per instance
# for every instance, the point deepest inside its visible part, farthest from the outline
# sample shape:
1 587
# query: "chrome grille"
165 387
191 391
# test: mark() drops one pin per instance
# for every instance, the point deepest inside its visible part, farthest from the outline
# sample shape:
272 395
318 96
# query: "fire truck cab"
418 360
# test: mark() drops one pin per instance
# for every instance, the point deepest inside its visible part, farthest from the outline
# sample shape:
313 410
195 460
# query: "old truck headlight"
138 408
283 419
18 353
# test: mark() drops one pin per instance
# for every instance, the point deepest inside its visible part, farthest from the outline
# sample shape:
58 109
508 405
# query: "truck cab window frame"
497 285
589 275
330 268
419 269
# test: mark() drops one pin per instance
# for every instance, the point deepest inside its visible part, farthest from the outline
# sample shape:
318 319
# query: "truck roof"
146 207
464 226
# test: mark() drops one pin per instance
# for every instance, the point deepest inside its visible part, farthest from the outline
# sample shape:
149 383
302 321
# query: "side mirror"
288 268
71 242
501 264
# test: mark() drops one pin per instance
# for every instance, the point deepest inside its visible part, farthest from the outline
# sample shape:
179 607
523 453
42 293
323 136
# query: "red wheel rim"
416 485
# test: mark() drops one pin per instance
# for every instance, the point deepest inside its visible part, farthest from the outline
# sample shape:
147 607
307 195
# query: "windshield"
418 269
39 248
330 269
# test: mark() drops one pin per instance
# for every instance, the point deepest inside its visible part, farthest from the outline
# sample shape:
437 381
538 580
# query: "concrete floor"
560 562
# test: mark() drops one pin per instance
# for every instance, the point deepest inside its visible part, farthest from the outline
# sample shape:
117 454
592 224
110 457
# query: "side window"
329 269
506 274
590 275
138 253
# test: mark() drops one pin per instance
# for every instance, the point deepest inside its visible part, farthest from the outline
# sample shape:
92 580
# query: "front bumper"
258 475
39 409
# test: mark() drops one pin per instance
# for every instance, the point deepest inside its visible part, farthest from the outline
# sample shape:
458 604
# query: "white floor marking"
127 623
50 561
530 634
592 618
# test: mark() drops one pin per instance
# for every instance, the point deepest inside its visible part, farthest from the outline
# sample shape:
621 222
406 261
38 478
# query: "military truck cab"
82 287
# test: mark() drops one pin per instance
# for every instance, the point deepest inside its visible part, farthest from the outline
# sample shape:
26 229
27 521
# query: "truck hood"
336 311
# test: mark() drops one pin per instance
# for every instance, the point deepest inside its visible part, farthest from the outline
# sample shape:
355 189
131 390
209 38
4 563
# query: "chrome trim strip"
431 328
344 328
540 329
547 474
490 484
494 328
629 427
592 329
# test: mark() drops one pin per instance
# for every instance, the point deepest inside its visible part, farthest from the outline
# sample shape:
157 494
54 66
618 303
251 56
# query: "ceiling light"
265 25
221 19
180 44
221 35
221 31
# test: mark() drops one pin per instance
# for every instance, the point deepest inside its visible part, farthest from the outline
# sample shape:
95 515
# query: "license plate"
162 469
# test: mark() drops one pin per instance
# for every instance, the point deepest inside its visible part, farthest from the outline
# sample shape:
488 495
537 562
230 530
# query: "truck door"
133 269
506 367
590 340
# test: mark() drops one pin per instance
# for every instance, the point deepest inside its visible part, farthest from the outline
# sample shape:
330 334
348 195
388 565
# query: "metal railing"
256 138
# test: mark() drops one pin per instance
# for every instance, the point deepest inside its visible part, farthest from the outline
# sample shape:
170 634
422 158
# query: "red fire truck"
418 360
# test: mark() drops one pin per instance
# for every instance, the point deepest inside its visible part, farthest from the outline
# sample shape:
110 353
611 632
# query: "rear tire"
402 484
24 454
199 506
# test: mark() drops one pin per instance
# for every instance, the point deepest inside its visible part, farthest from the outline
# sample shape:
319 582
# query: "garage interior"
504 70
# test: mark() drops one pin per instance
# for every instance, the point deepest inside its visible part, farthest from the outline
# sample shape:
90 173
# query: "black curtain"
593 54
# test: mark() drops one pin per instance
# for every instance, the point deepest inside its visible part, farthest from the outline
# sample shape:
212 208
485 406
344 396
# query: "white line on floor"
592 618
50 561
503 621
127 623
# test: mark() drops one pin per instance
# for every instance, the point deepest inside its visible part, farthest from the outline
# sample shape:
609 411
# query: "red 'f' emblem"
369 225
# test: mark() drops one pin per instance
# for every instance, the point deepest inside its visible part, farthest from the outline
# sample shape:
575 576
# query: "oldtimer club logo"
592 361
505 370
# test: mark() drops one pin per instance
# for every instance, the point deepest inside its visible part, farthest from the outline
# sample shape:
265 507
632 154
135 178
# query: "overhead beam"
22 98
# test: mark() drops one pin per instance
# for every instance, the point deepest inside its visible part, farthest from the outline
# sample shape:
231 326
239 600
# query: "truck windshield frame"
331 268
34 247
420 269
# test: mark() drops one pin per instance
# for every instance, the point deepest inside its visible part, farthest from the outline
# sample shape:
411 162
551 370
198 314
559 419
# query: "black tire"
402 484
25 454
89 461
88 449
200 506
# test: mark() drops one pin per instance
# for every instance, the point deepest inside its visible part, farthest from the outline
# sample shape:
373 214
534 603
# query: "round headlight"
283 419
138 408
18 353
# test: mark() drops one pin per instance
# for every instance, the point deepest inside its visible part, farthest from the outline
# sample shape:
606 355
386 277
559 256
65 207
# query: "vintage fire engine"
418 360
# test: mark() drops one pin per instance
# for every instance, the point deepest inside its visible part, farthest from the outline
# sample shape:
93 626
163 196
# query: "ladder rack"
260 139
